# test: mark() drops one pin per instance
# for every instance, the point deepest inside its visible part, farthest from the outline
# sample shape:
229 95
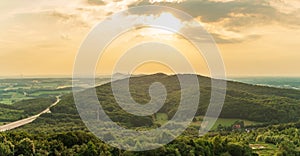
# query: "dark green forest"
73 138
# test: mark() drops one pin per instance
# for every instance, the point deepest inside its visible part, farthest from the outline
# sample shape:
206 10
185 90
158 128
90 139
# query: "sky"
254 37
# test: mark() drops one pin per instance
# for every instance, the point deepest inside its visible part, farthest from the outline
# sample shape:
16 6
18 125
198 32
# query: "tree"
55 147
286 148
218 146
25 147
238 149
90 149
6 148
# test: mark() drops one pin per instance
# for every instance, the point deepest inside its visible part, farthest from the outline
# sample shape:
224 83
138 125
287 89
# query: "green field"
229 122
14 90
12 97
50 92
162 118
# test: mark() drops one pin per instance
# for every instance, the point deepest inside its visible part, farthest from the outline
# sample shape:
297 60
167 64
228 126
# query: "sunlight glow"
165 18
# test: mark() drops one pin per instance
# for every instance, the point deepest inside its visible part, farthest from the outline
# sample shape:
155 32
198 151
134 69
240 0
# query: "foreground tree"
6 148
25 147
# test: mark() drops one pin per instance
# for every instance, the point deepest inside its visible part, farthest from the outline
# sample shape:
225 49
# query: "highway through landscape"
28 120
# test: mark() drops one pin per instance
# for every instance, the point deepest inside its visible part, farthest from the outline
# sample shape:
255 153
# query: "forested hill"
243 101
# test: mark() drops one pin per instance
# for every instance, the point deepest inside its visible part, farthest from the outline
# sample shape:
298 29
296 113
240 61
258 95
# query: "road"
28 120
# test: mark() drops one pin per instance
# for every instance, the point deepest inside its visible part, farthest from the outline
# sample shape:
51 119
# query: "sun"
167 19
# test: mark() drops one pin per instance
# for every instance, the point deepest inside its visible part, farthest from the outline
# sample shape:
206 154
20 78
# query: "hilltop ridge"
243 101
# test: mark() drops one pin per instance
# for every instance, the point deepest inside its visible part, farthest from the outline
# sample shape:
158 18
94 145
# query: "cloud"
230 20
165 1
286 6
215 10
96 2
72 19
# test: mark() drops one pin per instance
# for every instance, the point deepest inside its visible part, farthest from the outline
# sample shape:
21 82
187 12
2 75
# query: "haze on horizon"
255 38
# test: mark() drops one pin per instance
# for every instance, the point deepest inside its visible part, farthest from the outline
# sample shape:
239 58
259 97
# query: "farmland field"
14 90
162 118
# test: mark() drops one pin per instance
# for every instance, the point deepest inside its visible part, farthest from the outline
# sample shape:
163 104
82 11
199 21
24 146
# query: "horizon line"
103 75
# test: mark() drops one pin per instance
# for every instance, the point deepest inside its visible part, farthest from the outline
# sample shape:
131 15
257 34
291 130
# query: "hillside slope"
243 101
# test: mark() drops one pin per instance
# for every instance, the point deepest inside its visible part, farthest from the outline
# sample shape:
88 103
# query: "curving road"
28 120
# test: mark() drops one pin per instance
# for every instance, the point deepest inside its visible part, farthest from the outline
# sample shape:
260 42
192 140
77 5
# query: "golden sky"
255 38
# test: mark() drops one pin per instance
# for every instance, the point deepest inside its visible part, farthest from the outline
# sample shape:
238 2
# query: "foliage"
78 142
243 101
63 133
23 109
25 147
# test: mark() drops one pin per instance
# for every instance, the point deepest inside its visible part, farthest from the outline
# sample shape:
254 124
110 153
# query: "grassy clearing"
229 122
12 97
264 149
54 92
6 101
162 118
